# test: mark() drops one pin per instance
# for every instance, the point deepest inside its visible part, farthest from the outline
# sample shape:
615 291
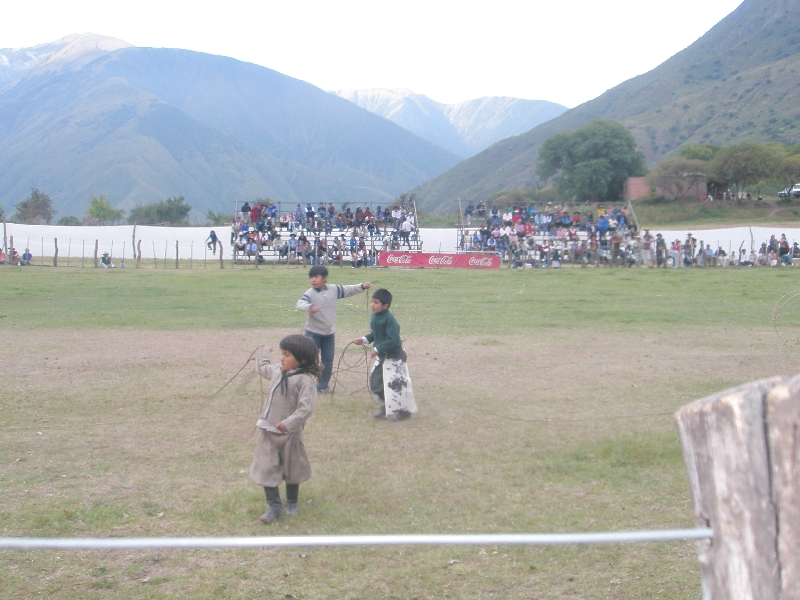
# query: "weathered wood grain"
726 453
783 433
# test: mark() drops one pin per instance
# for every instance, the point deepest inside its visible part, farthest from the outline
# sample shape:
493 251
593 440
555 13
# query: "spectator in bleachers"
784 251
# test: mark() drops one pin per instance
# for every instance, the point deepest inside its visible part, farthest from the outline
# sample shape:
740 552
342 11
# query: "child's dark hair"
305 352
383 296
318 270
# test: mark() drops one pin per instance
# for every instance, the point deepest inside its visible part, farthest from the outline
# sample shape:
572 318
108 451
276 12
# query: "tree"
676 176
37 208
704 152
70 221
217 218
747 163
787 172
101 211
592 162
172 211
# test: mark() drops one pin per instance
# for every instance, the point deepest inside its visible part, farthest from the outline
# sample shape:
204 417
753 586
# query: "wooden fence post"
221 264
138 253
740 447
55 252
783 419
177 266
96 243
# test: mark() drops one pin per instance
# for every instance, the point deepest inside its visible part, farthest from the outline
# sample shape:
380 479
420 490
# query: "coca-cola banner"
438 261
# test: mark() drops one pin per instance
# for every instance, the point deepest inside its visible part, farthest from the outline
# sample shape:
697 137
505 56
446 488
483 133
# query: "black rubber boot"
274 505
402 415
292 493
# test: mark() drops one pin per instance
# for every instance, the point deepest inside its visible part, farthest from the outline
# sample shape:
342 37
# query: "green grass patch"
687 213
441 302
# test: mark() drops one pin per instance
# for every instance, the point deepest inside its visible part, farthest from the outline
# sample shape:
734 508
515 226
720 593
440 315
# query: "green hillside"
141 124
740 81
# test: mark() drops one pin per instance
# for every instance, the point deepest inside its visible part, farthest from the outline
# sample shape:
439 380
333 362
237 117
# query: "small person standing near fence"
280 453
211 242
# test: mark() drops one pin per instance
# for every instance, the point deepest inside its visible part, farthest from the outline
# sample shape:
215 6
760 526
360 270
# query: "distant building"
635 188
694 185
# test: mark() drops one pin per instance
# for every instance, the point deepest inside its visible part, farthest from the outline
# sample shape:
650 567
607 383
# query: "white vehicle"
793 192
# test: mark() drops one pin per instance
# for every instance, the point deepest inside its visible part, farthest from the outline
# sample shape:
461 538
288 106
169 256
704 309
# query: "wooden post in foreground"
742 453
221 264
55 252
96 243
138 253
176 255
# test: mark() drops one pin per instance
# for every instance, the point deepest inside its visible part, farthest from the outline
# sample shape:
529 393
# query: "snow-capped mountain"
464 128
74 50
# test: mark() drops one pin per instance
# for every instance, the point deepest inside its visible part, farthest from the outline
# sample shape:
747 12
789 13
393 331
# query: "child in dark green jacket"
389 379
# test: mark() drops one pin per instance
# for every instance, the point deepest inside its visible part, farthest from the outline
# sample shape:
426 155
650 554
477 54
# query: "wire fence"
189 543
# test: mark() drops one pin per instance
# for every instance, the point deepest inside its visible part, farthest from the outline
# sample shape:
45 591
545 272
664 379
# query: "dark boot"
292 493
381 414
274 505
402 415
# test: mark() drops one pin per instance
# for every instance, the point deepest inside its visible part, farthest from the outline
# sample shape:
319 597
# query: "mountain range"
90 115
738 82
464 128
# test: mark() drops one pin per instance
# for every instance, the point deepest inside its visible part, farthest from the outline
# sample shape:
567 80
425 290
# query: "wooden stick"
221 264
138 253
55 252
96 244
176 254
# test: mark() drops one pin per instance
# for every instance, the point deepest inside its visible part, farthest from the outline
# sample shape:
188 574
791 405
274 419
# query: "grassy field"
545 406
693 213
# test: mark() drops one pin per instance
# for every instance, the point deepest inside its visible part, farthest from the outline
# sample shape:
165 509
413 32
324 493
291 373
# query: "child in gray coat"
280 453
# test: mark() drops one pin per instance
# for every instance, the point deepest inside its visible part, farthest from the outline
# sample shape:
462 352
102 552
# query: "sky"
566 52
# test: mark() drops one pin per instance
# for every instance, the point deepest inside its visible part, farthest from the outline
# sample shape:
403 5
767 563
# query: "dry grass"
115 433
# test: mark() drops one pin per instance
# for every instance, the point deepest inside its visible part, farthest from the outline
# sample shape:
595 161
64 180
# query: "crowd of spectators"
528 237
14 258
323 235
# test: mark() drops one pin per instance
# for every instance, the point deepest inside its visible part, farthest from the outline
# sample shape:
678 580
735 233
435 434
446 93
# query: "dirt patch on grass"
119 433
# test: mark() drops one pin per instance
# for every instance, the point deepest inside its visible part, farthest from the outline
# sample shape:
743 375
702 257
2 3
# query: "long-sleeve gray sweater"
323 321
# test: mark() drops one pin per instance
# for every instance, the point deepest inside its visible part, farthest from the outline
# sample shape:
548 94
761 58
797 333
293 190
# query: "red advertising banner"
421 260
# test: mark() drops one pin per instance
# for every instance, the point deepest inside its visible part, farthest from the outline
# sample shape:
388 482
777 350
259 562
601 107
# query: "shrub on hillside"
172 211
35 210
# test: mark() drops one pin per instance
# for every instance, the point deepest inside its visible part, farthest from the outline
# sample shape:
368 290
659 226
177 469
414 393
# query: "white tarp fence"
191 240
